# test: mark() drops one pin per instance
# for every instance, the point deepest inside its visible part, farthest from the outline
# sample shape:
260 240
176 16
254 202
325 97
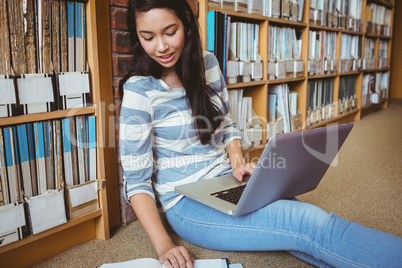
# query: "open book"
153 263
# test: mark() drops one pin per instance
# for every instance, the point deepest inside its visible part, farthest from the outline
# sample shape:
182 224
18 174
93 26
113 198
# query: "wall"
121 63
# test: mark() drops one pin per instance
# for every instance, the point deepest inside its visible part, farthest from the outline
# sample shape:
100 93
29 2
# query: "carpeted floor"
365 187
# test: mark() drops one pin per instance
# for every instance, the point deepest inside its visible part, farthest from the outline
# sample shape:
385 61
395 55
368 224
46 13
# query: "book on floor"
154 263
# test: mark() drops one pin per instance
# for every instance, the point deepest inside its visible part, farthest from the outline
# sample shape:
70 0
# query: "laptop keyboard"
231 195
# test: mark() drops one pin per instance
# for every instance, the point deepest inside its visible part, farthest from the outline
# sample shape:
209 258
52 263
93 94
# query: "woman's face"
161 34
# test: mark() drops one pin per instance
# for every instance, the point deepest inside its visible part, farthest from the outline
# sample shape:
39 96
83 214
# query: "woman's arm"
239 166
148 215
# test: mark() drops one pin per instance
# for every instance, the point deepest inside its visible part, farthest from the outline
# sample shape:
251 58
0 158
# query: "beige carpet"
365 187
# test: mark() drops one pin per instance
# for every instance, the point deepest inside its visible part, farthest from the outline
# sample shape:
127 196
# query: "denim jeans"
306 231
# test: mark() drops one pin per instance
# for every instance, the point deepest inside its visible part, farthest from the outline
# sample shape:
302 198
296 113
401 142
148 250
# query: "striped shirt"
159 147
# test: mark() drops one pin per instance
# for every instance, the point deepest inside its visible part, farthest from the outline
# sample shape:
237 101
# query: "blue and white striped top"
159 147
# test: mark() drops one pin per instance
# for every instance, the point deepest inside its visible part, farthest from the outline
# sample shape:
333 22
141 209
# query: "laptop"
291 164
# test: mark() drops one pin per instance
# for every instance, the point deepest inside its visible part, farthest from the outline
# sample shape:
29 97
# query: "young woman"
175 129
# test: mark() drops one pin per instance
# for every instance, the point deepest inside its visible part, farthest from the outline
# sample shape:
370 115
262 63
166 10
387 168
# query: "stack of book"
284 53
347 100
383 54
351 53
236 46
284 9
378 20
241 112
374 88
368 87
40 42
344 14
380 92
283 115
369 54
322 53
320 101
38 160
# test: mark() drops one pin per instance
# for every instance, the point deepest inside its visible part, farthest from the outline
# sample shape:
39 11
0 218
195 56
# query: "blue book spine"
24 157
80 129
66 136
92 147
48 139
71 36
79 37
11 163
225 25
40 157
211 31
32 159
3 172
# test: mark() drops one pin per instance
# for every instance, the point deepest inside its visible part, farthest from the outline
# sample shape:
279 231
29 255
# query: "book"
80 36
40 157
55 35
63 37
44 28
4 192
91 145
16 28
81 149
32 158
67 158
12 163
154 263
29 37
74 148
5 50
70 34
25 160
58 154
49 154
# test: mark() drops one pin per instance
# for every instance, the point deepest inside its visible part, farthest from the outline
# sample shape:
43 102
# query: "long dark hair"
207 114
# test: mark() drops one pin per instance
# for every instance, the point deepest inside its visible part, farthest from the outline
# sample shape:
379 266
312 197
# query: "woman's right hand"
173 256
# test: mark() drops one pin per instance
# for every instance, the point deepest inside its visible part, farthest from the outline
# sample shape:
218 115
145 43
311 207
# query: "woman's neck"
171 79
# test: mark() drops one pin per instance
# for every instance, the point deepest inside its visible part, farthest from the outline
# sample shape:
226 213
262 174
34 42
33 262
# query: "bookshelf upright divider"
349 27
94 224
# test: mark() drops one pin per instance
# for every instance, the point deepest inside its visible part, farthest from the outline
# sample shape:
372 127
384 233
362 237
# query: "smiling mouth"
166 58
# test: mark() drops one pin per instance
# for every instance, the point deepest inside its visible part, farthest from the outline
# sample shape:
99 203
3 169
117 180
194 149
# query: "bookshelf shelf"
385 37
323 28
343 35
351 32
286 80
247 84
383 70
350 73
71 223
251 17
291 23
45 116
322 76
333 120
95 224
380 2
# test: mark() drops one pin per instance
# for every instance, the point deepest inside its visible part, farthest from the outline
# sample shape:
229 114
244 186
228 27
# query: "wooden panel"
42 249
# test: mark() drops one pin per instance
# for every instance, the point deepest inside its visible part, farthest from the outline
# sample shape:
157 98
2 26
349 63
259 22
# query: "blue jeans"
304 230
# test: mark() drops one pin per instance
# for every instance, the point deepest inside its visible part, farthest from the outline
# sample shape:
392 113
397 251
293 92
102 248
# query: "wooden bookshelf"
259 91
96 224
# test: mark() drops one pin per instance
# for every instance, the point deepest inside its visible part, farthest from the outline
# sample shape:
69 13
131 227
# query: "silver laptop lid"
292 164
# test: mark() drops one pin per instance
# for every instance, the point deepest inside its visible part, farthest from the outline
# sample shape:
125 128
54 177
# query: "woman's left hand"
244 169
